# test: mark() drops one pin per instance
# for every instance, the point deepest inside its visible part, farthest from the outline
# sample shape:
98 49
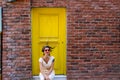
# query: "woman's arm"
51 68
42 69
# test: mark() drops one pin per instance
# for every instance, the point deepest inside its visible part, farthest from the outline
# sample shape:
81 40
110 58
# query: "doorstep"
57 77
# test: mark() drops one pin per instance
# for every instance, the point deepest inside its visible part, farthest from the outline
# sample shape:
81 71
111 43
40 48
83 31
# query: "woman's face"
47 51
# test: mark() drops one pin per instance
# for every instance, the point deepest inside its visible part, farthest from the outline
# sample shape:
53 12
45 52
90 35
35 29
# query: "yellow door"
49 28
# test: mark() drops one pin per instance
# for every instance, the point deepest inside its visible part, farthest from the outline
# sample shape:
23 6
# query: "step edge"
62 76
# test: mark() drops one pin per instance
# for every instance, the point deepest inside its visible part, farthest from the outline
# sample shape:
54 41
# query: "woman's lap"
51 76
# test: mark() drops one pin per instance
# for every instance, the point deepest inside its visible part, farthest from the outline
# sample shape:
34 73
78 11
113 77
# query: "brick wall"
16 54
0 2
93 38
0 56
93 48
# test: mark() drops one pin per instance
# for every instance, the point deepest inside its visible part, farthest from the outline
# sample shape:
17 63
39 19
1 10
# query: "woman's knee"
51 77
41 77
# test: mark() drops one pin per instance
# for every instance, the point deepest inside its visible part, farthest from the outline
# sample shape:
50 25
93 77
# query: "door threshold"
57 77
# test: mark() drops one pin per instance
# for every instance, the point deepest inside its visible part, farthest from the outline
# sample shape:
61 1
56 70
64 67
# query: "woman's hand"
47 77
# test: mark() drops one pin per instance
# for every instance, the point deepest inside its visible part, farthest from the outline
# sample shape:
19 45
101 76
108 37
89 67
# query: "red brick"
93 43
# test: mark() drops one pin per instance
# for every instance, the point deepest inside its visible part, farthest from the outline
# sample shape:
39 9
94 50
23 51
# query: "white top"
47 65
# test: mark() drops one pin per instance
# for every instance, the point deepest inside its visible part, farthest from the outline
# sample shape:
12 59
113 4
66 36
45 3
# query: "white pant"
51 76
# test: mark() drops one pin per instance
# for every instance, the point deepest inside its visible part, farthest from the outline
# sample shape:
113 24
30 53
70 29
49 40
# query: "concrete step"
57 77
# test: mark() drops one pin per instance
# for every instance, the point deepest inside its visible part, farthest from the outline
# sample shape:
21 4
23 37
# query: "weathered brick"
93 38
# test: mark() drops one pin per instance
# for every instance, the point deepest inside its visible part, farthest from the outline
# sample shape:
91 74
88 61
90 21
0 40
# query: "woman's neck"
46 56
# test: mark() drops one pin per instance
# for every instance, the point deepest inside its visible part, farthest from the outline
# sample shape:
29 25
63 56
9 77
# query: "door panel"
50 23
49 28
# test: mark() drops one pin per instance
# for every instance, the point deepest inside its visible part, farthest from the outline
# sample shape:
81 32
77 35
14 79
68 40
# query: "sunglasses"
46 50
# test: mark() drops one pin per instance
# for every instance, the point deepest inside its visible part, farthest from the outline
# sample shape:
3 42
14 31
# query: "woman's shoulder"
40 59
52 57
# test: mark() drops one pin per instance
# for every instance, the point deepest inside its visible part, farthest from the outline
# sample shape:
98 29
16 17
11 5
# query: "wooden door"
49 28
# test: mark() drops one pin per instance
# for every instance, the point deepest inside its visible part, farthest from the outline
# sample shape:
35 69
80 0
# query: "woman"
46 64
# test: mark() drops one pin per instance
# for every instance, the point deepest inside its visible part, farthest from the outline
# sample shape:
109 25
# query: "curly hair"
50 48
